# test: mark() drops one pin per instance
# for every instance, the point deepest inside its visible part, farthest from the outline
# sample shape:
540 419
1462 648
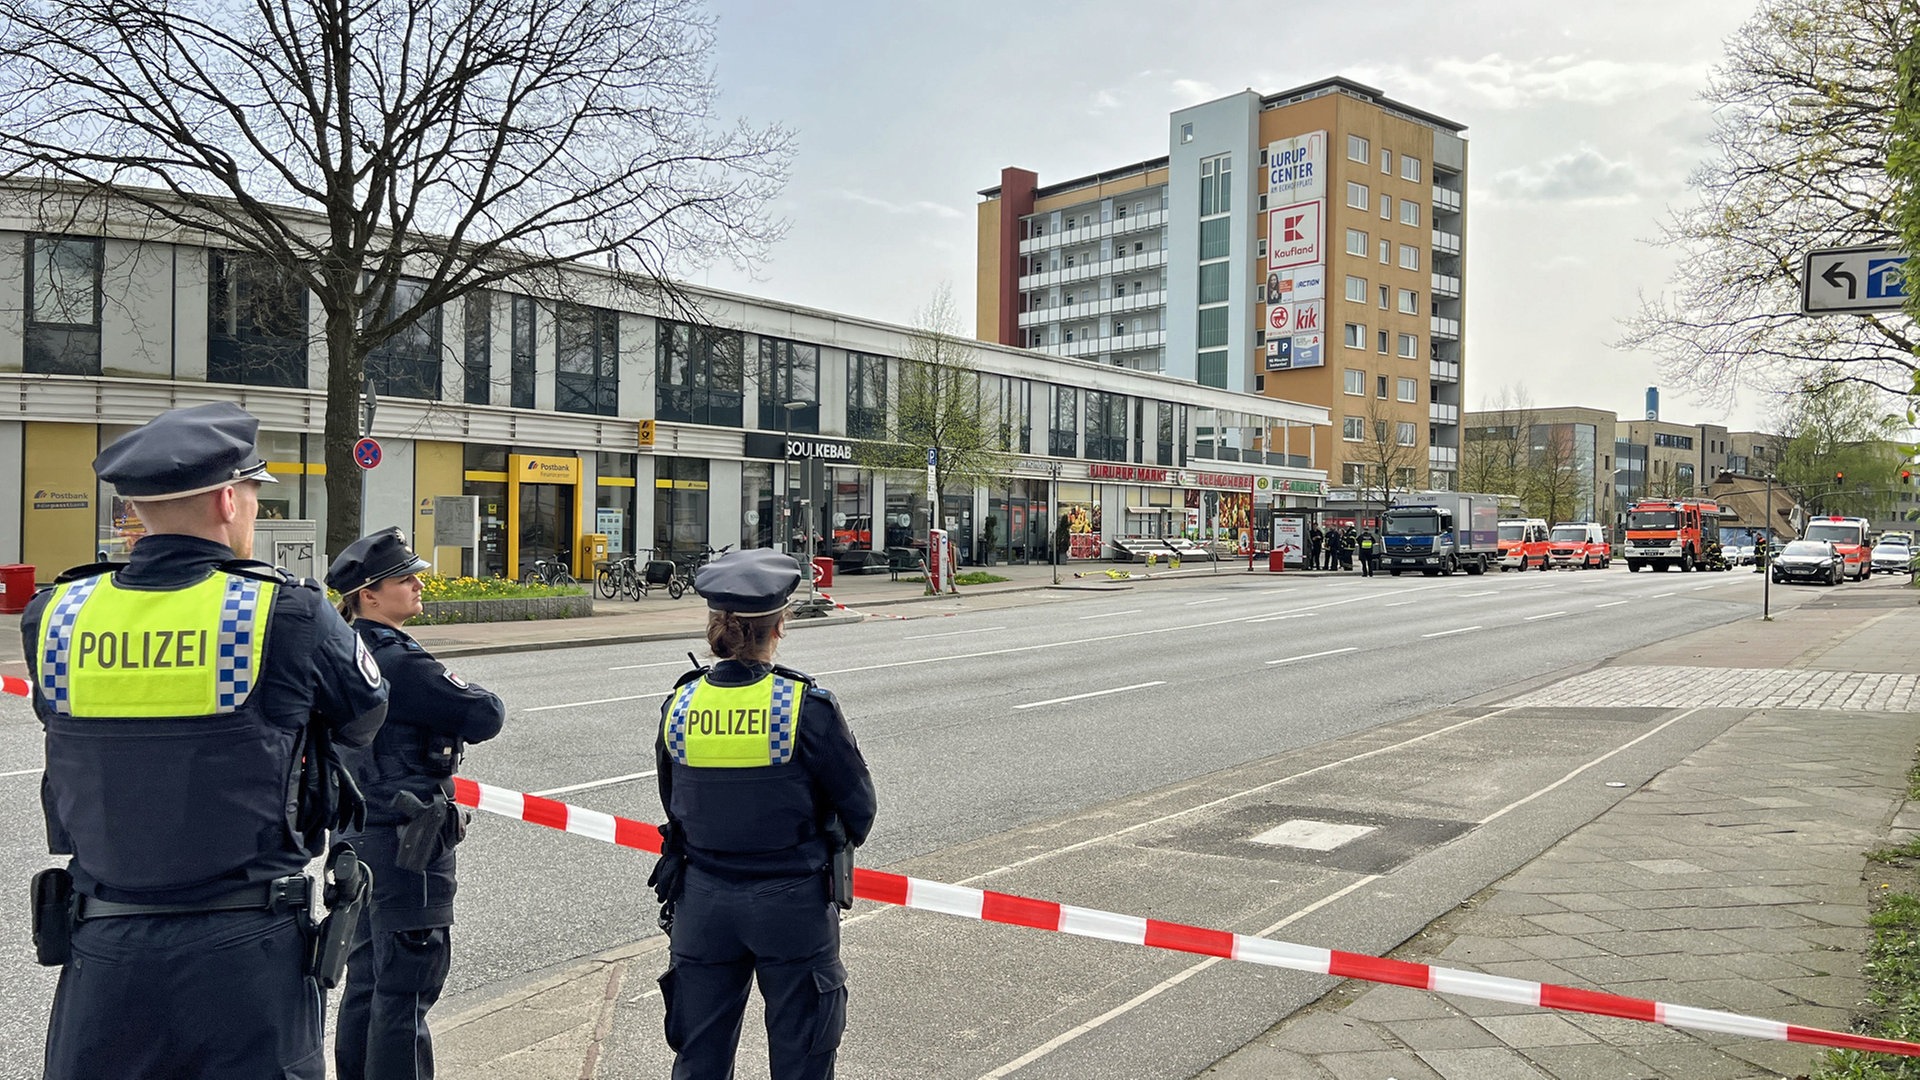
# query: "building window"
1186 133
586 378
1409 257
1406 389
1356 148
1354 473
1353 429
789 371
1357 196
1386 251
1409 347
1380 387
1213 281
1062 433
1403 433
1216 185
63 306
1163 433
1409 168
1386 161
1386 207
1380 342
698 372
1215 239
1106 438
1409 302
1213 368
1356 336
1356 242
522 363
476 354
1385 295
1409 212
1357 290
1356 382
256 323
408 363
1213 327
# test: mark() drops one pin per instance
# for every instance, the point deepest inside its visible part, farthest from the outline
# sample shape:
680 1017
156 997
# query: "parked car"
1524 544
1810 561
1892 555
1580 543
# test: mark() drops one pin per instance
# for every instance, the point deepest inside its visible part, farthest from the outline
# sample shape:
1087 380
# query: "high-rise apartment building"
1307 245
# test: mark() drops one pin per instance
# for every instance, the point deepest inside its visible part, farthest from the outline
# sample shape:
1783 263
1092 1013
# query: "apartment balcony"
1446 199
1440 413
1446 286
1146 260
1150 300
1120 226
1447 371
1443 457
1445 329
1109 343
1446 243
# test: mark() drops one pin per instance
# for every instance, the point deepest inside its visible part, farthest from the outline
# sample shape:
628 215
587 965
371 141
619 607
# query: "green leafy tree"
1840 429
390 156
1804 124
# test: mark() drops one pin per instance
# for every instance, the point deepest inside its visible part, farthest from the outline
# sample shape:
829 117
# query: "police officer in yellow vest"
191 700
766 795
401 950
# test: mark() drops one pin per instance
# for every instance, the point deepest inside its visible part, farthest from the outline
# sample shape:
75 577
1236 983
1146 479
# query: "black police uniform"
189 953
401 950
756 898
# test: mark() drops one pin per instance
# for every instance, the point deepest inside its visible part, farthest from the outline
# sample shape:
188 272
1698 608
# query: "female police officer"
400 953
761 781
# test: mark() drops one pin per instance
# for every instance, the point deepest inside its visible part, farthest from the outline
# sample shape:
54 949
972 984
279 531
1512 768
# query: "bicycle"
621 575
552 572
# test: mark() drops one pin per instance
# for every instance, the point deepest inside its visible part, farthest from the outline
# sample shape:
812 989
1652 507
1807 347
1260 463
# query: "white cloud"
1503 82
1583 176
1192 92
1104 101
917 207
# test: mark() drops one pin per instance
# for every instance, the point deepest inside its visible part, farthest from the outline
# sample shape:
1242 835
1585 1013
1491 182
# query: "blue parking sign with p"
1886 278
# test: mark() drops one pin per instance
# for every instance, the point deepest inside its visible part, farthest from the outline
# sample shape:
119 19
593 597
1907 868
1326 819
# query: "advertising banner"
1279 354
1297 168
1294 234
1290 533
1308 350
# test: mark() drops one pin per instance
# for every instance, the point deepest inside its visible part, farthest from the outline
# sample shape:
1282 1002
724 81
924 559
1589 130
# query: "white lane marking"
1277 618
1697 588
1400 603
1629 744
22 772
1091 694
951 633
1548 615
637 667
596 701
1215 600
1444 633
1467 595
1111 614
591 784
1316 655
1660 596
1011 649
1615 603
1169 983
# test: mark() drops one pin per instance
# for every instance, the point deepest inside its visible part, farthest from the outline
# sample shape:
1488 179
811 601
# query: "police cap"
373 559
185 452
753 582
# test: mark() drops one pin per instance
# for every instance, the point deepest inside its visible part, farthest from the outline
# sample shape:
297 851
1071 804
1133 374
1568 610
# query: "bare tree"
1803 113
1550 482
393 155
1497 446
1386 463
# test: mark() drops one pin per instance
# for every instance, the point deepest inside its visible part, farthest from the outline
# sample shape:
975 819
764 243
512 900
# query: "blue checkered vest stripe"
710 726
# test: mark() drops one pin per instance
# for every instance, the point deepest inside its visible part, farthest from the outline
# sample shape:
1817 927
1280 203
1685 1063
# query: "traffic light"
1839 477
1906 476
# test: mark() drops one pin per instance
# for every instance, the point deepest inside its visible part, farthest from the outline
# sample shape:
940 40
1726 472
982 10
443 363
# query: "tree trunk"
344 478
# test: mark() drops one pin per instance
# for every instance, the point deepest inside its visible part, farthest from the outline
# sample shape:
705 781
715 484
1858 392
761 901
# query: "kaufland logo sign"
1293 234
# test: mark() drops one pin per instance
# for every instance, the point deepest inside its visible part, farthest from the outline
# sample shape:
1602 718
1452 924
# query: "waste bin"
16 588
823 572
1277 560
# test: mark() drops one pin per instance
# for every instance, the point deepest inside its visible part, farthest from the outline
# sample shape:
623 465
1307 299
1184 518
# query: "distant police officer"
1369 553
401 949
766 794
191 699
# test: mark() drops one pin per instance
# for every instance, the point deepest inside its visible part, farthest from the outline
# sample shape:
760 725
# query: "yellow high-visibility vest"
106 651
733 727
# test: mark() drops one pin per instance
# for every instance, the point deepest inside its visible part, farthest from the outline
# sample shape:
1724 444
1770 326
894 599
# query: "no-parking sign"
366 453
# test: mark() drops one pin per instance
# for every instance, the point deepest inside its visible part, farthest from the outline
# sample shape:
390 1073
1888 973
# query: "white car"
1891 556
1740 554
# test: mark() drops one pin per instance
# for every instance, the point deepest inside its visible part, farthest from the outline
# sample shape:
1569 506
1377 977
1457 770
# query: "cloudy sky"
1583 121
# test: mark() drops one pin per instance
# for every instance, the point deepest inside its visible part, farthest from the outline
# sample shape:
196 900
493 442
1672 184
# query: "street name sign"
1853 280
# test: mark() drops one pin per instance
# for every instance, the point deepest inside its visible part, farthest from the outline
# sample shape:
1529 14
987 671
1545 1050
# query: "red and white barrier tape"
868 614
990 906
18 687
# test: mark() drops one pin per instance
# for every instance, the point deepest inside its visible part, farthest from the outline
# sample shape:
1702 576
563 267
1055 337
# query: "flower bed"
448 600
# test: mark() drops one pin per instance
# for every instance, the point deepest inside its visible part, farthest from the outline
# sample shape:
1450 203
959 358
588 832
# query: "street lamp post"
787 409
1053 508
1766 572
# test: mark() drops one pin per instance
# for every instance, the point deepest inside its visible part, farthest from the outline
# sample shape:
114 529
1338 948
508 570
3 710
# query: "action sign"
366 453
1851 280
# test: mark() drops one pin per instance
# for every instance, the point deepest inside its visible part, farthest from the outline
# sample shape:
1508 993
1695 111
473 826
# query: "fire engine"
1673 532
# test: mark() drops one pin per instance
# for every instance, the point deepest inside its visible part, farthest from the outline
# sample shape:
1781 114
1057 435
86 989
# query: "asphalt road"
1003 734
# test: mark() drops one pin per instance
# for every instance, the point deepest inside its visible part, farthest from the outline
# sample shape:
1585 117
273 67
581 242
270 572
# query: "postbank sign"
532 469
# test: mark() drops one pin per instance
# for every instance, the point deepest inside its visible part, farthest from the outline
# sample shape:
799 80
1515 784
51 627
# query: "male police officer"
401 948
765 794
189 698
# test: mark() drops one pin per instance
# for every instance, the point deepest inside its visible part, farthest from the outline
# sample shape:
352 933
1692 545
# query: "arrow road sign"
1853 280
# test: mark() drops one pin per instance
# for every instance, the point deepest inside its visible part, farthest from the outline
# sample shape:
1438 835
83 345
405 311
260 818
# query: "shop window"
867 396
256 322
1106 432
679 507
699 375
1163 434
477 355
789 372
63 306
407 364
586 376
1063 433
522 375
615 505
